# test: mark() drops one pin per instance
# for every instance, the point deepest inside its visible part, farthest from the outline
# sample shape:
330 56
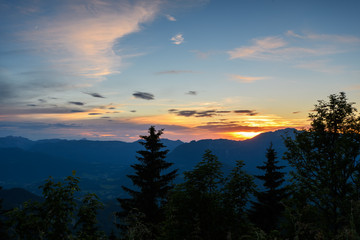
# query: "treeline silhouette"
319 199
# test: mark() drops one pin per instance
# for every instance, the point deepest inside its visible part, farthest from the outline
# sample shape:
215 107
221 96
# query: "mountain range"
103 165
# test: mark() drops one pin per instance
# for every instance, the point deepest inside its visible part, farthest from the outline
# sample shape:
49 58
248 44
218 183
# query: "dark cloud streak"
144 95
93 94
36 125
77 103
190 113
247 112
191 93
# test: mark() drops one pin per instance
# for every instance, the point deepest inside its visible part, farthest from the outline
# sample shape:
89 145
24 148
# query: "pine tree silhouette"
266 211
151 185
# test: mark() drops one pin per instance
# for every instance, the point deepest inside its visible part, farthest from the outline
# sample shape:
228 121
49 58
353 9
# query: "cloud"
323 66
94 113
177 39
11 110
79 36
144 95
186 113
77 110
290 45
77 103
246 112
170 18
97 95
209 113
191 93
258 49
277 48
37 125
246 79
325 37
223 112
6 90
193 113
174 72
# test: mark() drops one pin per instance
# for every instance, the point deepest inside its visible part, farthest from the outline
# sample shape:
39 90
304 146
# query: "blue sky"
101 69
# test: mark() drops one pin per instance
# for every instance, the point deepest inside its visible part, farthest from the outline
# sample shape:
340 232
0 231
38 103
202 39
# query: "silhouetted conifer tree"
236 195
195 209
266 211
152 185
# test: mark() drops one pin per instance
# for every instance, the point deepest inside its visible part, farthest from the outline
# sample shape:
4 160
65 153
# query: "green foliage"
327 164
54 218
267 211
152 184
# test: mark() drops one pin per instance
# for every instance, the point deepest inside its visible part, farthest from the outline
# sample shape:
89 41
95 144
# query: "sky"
199 69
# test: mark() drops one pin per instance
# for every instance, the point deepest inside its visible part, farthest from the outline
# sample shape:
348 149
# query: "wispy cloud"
174 72
144 95
323 66
35 110
246 79
325 37
287 46
258 49
177 39
170 18
37 125
80 36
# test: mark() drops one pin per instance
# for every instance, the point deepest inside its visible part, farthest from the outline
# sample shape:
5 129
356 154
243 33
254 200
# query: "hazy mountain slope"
18 166
15 142
103 165
251 151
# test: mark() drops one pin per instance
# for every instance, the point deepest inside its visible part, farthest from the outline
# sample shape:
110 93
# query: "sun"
244 135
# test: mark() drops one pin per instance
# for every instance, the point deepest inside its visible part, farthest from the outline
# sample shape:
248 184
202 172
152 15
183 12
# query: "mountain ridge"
103 166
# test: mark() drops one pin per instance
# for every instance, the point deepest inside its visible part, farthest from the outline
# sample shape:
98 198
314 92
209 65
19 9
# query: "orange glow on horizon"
244 135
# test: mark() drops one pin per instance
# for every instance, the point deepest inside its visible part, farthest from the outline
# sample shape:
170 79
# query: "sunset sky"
108 69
